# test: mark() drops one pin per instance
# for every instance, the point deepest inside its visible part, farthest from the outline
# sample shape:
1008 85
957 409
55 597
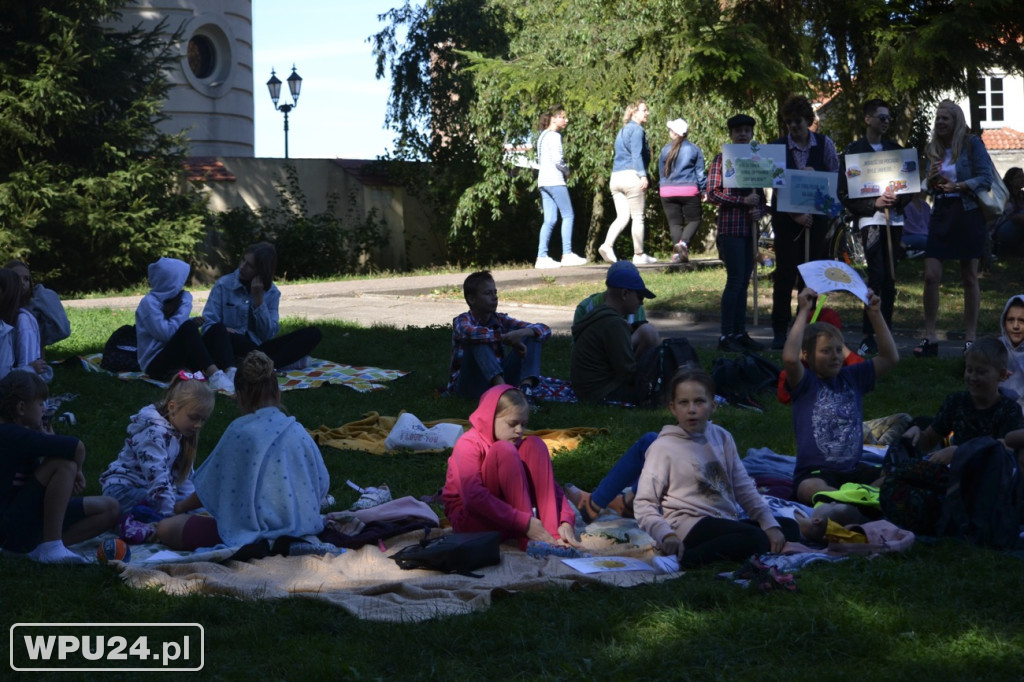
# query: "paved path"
415 301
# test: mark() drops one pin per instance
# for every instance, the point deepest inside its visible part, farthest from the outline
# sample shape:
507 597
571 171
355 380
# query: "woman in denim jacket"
246 302
959 167
629 182
683 181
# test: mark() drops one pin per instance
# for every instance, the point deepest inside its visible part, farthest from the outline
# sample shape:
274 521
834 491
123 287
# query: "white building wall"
214 104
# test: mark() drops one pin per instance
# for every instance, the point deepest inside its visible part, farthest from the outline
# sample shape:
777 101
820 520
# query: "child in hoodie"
154 467
693 480
499 480
1012 323
169 341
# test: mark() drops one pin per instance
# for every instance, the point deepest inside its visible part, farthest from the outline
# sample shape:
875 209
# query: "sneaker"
748 343
779 342
868 348
570 260
926 349
644 259
219 382
370 497
546 263
681 252
230 373
728 344
607 253
133 531
914 253
967 346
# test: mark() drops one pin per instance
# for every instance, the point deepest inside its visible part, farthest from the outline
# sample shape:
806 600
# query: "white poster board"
754 165
868 175
808 192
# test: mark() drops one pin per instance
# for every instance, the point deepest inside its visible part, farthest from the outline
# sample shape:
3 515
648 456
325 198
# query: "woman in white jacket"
554 194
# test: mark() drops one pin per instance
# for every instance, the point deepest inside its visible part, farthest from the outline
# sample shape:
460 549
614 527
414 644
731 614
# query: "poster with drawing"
825 276
749 166
868 175
808 192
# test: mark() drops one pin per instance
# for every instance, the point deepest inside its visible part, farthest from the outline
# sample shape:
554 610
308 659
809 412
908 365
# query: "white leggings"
629 204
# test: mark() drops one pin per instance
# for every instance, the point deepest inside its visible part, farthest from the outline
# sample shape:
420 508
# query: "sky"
341 108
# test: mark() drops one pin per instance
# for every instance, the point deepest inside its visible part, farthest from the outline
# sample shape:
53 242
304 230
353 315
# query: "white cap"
678 126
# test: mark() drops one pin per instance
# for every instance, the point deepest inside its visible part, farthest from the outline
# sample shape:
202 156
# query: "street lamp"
294 86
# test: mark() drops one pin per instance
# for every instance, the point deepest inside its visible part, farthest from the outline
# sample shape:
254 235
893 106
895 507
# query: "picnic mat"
369 433
369 585
319 373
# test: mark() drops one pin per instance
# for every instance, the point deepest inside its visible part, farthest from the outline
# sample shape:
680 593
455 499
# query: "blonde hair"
936 148
631 109
189 394
256 383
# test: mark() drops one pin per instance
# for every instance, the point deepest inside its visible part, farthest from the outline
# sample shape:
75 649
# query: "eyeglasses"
884 118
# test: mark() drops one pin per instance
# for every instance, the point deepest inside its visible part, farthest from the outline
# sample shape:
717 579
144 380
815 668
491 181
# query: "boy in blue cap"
608 354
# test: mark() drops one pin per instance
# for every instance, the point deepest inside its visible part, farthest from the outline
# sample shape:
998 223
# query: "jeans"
625 473
479 366
790 252
555 200
738 255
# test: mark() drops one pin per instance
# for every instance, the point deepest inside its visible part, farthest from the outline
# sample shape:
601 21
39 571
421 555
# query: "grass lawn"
945 611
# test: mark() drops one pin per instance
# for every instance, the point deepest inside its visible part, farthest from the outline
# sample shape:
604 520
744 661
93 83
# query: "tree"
90 189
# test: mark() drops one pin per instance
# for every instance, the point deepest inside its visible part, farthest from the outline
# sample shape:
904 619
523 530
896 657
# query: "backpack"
913 490
738 379
460 553
982 501
120 354
672 354
53 320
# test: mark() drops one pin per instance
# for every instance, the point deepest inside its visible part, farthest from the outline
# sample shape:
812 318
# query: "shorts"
862 473
21 523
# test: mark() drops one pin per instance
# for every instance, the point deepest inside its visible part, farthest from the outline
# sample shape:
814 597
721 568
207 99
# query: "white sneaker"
546 263
607 252
230 374
219 382
571 259
644 259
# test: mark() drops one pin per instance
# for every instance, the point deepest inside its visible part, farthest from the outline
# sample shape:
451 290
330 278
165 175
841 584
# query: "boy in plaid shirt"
478 359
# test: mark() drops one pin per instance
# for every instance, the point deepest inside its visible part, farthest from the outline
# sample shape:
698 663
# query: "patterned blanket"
319 372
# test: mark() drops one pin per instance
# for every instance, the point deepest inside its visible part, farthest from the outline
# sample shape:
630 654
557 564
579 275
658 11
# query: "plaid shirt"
733 214
466 329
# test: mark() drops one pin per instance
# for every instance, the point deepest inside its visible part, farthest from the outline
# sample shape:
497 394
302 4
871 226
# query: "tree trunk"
595 230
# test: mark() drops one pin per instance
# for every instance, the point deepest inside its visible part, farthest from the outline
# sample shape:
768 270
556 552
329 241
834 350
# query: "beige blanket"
369 585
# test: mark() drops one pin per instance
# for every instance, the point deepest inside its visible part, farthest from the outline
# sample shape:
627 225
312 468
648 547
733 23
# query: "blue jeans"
738 255
624 473
555 200
479 366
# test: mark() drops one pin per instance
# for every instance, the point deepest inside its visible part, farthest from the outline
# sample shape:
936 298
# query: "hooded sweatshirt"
1015 382
602 354
147 459
465 496
167 277
689 476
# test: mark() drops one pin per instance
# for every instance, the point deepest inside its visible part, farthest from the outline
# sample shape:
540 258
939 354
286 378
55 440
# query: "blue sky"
341 107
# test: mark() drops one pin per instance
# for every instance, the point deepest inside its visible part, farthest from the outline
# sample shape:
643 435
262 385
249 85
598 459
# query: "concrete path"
416 301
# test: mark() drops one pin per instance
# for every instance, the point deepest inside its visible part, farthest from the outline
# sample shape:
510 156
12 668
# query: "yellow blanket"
369 433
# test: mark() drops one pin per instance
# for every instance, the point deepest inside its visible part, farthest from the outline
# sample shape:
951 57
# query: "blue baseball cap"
624 275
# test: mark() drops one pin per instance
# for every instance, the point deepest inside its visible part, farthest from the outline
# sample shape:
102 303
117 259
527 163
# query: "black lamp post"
294 86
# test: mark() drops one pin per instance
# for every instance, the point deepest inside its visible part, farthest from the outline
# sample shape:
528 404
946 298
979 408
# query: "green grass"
946 611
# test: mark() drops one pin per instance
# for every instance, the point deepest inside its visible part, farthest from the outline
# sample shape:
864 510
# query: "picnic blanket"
369 433
318 373
369 585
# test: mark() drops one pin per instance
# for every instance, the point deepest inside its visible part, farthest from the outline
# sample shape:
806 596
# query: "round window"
202 56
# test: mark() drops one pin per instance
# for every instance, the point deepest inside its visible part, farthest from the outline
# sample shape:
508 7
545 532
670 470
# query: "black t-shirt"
958 416
20 452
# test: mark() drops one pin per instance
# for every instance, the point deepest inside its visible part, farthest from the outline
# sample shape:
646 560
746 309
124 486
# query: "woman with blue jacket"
959 168
245 304
683 181
629 183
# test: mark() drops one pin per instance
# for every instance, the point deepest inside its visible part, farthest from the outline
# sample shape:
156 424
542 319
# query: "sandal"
926 349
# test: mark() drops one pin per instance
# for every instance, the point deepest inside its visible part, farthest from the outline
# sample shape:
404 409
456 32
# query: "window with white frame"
990 99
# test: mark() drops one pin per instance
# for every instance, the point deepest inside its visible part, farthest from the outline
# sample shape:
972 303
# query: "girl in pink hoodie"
499 480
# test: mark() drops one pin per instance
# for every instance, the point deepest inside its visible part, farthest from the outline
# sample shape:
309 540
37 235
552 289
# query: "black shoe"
926 349
729 344
779 342
748 343
868 348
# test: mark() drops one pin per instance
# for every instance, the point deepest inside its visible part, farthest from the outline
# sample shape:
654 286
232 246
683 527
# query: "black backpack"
738 379
672 354
983 499
913 490
460 553
120 354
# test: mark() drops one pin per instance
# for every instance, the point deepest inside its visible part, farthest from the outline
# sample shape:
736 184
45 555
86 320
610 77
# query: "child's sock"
54 552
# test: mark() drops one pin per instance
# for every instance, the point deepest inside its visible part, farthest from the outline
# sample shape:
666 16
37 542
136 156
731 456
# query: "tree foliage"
700 59
90 189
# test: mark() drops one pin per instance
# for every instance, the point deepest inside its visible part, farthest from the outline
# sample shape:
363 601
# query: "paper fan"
832 275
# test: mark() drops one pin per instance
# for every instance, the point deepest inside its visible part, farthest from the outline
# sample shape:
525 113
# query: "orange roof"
1002 138
207 169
